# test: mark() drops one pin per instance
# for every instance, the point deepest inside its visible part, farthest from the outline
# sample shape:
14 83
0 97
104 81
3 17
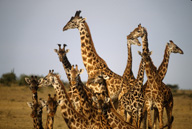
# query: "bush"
8 78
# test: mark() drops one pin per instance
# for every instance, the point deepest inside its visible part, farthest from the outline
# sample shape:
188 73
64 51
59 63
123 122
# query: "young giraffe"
62 53
72 118
105 106
51 105
73 89
36 114
36 107
92 61
33 83
97 121
132 102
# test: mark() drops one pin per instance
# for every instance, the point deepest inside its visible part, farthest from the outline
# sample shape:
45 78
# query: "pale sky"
31 30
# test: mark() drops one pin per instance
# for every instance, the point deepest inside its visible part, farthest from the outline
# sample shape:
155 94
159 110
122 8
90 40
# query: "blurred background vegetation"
7 79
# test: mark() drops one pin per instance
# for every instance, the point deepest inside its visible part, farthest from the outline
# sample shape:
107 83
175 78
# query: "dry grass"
15 114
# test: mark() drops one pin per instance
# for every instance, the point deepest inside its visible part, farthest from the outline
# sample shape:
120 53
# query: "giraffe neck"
34 98
37 122
115 120
145 41
162 70
71 117
88 52
146 48
67 66
128 74
140 75
150 72
50 121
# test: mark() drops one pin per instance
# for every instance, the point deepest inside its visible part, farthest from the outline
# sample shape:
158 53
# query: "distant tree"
8 78
173 87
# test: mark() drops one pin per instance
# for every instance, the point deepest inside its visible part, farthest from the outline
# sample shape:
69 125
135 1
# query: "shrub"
8 78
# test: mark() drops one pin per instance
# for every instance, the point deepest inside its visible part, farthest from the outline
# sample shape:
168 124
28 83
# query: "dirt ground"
15 114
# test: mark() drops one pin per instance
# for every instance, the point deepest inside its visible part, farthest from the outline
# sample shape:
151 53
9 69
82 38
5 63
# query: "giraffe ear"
94 99
40 81
56 51
105 77
84 19
139 52
43 102
27 80
67 51
30 104
107 99
150 53
81 71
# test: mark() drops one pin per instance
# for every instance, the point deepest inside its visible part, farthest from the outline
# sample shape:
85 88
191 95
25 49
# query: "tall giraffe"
51 105
166 90
170 48
92 61
132 102
105 106
36 114
128 77
72 118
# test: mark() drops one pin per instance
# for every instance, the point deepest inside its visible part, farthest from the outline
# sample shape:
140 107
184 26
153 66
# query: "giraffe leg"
160 109
156 115
149 117
169 109
128 117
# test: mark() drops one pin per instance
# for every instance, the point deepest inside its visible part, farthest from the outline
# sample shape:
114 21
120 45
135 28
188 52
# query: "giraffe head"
173 48
33 83
101 101
135 34
97 83
74 22
51 105
50 79
75 74
37 109
61 52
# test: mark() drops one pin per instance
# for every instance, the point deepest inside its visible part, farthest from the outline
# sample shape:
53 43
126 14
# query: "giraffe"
128 77
162 70
157 95
72 118
92 61
33 83
104 104
97 121
132 102
166 90
36 107
36 114
51 105
170 48
62 53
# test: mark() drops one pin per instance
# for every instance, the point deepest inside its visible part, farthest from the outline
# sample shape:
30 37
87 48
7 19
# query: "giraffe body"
92 61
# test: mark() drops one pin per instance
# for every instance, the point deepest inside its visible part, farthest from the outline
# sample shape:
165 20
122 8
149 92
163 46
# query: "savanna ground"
15 114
